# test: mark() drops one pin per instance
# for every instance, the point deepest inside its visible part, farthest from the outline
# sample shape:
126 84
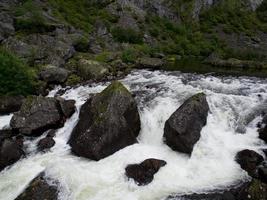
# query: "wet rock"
254 190
143 173
67 107
39 189
262 172
249 160
54 75
9 104
10 151
46 143
263 130
37 115
152 63
182 129
108 122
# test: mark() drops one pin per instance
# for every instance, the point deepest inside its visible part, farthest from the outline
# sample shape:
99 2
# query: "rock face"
37 115
249 160
9 104
108 122
10 151
143 173
182 129
54 75
39 189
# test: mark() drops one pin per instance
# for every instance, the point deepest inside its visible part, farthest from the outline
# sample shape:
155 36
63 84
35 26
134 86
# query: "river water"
235 106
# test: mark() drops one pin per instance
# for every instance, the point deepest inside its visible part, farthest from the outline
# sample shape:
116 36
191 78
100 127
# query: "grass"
15 77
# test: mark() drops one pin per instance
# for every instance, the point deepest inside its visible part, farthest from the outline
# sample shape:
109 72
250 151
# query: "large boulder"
11 150
182 129
9 104
143 173
39 189
54 75
253 190
90 69
249 160
108 122
37 115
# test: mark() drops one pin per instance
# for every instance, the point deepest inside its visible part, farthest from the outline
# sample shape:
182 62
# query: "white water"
159 94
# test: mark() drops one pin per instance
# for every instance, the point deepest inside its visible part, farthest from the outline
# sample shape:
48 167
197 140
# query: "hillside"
82 35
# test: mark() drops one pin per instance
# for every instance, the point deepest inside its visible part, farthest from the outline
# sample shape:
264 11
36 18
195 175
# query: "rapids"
235 103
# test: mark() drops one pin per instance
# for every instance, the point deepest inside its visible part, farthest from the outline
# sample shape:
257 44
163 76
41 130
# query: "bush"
15 77
129 55
127 35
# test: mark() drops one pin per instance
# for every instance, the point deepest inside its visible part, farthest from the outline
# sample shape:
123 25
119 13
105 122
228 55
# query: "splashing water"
159 94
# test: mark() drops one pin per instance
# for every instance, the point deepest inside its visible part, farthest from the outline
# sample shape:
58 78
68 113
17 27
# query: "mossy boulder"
152 63
90 69
54 75
182 129
39 188
108 122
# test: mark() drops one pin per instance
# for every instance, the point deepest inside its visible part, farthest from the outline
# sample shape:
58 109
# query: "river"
235 106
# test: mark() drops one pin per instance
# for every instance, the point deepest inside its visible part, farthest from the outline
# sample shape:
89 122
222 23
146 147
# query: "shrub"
81 44
15 77
129 55
127 35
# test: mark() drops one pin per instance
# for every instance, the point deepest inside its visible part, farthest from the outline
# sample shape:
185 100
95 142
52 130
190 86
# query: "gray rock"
39 189
10 152
37 115
54 75
108 122
9 104
182 129
6 26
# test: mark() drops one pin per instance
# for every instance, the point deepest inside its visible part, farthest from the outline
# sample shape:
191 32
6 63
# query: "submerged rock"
108 122
37 115
182 129
143 173
39 189
249 160
9 104
11 150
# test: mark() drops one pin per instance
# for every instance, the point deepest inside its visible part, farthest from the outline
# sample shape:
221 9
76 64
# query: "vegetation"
127 35
15 77
81 14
